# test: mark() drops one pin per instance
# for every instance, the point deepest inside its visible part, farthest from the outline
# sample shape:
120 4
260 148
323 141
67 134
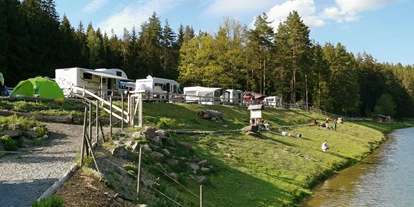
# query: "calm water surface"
384 179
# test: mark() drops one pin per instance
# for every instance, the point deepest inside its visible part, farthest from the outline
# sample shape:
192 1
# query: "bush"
52 201
8 143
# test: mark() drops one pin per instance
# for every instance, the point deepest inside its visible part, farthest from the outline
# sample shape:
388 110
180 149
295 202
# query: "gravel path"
24 177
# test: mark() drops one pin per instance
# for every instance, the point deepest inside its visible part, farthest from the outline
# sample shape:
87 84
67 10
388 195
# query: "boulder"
11 133
250 128
186 145
149 132
205 169
194 167
138 135
166 152
119 151
202 179
203 163
170 142
173 176
161 133
156 140
146 147
172 162
157 155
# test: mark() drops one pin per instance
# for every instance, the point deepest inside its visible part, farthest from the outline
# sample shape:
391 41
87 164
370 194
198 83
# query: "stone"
166 152
172 162
146 147
173 176
11 133
194 167
170 142
203 163
149 132
202 179
205 169
161 133
119 151
225 126
137 135
250 128
119 143
186 145
157 141
129 143
157 155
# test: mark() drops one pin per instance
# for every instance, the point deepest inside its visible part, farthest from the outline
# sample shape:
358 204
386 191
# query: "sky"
382 28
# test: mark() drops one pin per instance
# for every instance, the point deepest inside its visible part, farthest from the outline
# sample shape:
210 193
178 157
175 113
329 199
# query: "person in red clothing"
326 123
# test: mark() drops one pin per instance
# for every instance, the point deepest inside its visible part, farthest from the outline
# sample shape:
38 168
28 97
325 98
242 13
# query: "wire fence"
157 187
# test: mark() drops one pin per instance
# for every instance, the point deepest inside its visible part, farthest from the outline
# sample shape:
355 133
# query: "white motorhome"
159 88
98 80
232 96
202 95
274 101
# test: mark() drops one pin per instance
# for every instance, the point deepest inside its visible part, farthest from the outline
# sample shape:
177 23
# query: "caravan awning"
103 74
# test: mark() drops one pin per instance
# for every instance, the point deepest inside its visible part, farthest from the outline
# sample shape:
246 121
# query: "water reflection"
382 179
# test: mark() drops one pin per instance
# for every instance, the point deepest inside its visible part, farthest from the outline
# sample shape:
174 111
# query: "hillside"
265 169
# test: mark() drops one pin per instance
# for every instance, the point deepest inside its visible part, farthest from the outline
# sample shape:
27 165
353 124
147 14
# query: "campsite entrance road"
25 177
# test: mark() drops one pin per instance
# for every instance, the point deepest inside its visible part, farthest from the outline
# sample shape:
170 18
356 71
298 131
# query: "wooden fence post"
97 121
90 120
139 172
110 116
83 137
122 114
201 195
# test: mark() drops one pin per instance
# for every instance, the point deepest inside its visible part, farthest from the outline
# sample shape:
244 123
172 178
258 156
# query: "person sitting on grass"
324 146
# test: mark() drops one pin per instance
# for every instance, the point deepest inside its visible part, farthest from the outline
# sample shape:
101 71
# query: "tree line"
280 61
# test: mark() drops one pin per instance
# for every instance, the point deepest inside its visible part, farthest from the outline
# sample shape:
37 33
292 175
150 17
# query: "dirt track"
24 177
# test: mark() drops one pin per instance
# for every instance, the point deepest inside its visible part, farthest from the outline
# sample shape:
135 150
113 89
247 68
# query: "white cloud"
305 8
94 6
226 7
342 11
349 10
134 14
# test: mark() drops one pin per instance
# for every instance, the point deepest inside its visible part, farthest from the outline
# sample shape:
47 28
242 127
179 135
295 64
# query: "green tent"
39 87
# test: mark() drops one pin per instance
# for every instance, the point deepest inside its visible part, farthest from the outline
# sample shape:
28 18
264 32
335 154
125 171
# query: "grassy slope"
269 169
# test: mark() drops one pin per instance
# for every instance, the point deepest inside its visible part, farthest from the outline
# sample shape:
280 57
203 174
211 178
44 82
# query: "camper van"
232 97
159 88
203 95
274 101
92 80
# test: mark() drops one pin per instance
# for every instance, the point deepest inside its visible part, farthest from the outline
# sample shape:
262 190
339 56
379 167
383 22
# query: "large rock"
146 147
202 179
161 133
194 167
11 133
203 163
157 141
149 132
173 176
138 135
250 128
157 155
172 162
170 142
119 151
166 152
186 145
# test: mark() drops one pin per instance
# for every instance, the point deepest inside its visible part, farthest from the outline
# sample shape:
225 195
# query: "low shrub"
8 143
52 201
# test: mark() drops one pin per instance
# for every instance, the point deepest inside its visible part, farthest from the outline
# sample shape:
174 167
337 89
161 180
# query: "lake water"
384 179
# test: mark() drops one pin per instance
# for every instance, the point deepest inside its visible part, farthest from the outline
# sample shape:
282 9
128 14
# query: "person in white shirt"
324 146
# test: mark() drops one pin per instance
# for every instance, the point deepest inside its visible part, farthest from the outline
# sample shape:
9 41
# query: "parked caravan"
159 88
203 95
232 96
274 101
98 81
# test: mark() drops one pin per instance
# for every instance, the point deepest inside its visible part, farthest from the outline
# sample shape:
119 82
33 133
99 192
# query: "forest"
282 61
